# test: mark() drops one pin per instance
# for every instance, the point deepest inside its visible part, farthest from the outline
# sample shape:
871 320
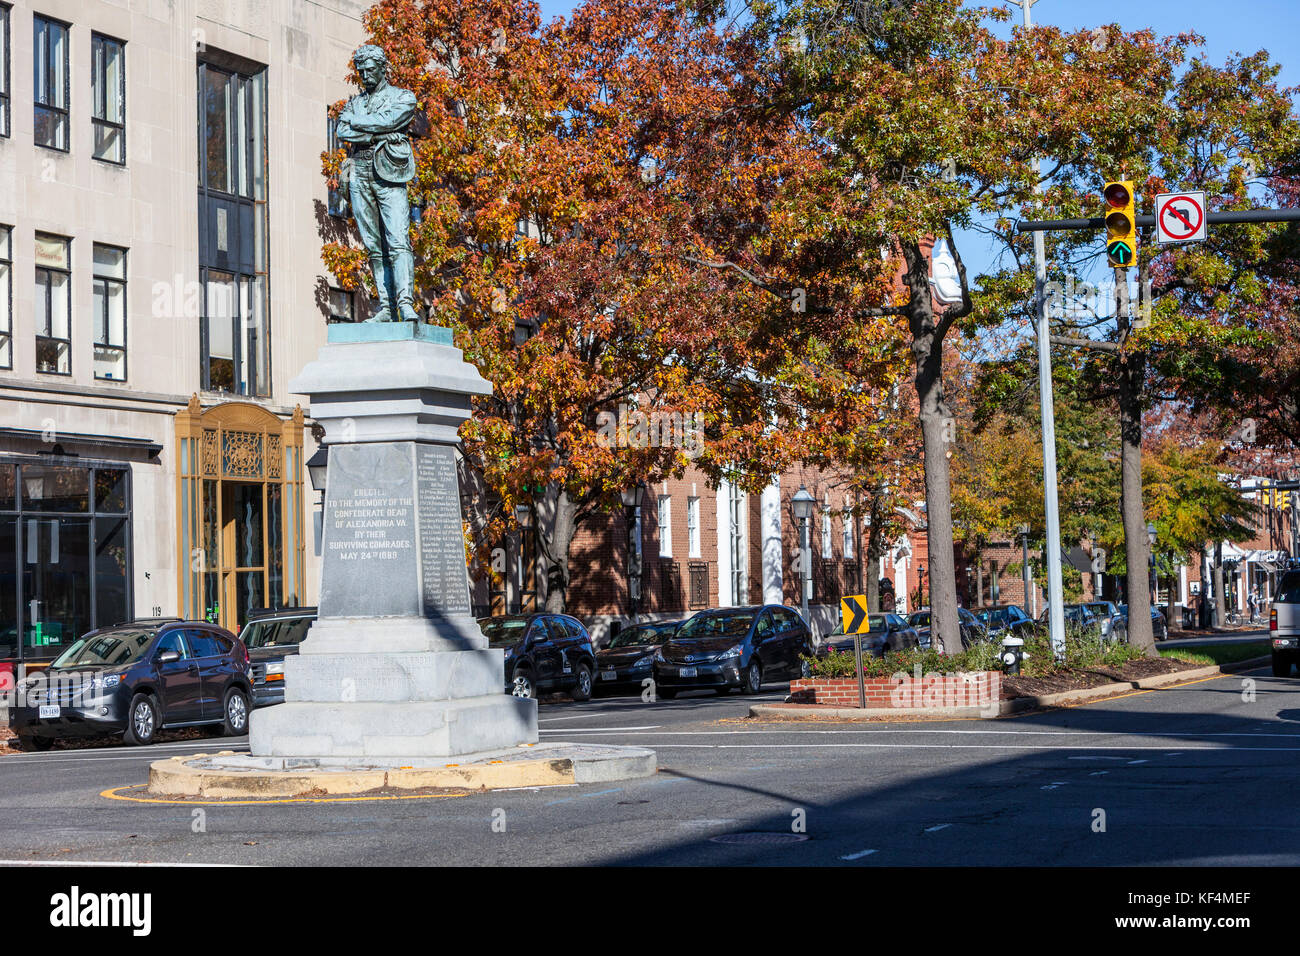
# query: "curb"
194 775
1006 707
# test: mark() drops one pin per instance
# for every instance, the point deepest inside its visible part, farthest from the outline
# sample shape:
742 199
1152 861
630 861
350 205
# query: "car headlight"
101 681
277 668
730 653
643 662
658 655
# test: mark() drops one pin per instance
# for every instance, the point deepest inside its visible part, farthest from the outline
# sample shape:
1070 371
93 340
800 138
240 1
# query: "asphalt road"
1200 774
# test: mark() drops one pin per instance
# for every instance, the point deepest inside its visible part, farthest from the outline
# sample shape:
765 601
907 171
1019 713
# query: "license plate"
686 672
609 675
49 710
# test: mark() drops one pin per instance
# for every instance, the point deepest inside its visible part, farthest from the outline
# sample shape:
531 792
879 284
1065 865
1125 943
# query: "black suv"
544 652
271 636
136 679
732 647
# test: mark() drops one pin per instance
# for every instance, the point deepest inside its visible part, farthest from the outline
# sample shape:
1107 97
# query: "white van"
1284 624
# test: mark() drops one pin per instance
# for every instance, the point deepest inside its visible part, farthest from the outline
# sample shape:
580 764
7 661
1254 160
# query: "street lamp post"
802 504
1024 568
1151 557
632 498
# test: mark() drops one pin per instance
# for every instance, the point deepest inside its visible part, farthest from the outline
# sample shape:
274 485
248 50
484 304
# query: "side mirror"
167 657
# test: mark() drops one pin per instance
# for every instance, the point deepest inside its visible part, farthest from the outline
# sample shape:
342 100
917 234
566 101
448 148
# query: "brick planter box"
900 690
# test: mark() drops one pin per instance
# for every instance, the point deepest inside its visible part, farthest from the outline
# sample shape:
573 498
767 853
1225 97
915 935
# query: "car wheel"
31 742
521 685
142 720
1281 665
235 713
752 682
582 689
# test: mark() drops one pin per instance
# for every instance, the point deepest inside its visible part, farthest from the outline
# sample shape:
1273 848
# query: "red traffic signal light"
1117 194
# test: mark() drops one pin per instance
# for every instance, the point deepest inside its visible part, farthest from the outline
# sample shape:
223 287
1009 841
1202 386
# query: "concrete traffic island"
243 776
394 685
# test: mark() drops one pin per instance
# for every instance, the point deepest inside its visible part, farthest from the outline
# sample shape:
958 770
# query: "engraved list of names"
444 581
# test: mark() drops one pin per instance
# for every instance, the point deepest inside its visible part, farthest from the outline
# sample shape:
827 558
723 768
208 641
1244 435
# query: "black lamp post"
802 504
318 468
1151 552
632 498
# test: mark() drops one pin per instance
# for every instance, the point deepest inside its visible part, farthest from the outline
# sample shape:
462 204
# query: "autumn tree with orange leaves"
573 177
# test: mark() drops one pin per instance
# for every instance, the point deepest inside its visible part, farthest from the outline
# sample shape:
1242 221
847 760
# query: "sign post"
853 614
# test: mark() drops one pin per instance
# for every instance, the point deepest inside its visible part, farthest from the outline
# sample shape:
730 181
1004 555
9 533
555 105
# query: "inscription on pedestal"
443 579
369 547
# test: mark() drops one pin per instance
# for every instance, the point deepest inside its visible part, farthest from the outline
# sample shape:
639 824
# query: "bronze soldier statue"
375 125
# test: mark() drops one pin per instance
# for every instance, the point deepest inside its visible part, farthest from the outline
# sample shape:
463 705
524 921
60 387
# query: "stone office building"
160 200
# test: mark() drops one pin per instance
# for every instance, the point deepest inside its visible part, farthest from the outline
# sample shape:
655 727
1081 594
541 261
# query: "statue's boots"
380 273
403 285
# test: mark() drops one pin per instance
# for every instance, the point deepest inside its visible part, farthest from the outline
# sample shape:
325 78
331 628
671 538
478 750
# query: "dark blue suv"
136 679
732 647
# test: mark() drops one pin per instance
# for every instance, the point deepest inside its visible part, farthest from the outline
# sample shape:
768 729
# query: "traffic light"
1121 224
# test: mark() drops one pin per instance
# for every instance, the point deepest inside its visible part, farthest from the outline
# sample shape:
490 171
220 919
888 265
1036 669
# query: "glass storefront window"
8 487
110 490
55 488
65 559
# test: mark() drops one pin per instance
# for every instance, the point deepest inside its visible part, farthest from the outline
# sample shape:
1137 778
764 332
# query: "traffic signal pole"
1052 546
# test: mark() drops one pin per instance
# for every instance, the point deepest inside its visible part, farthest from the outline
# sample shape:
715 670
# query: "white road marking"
596 730
857 856
1099 773
71 862
1235 751
1131 762
941 826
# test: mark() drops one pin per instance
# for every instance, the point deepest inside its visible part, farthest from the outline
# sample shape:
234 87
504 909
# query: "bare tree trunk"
1132 367
1220 598
936 433
1172 614
555 542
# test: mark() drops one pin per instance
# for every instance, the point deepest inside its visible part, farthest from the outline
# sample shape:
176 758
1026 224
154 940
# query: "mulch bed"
1093 677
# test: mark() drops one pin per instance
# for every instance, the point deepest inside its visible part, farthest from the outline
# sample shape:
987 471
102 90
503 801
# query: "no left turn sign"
1180 217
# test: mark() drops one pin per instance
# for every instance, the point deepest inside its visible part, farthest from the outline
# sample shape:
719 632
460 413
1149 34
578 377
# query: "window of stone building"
65 553
4 69
342 305
50 82
110 312
6 296
53 304
108 98
826 534
848 534
235 328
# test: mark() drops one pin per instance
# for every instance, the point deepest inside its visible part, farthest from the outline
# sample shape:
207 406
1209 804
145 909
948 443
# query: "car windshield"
643 636
105 650
920 619
1100 609
703 627
1288 589
283 633
996 616
504 633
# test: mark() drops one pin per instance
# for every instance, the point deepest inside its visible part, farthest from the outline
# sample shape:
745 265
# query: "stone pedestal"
395 666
